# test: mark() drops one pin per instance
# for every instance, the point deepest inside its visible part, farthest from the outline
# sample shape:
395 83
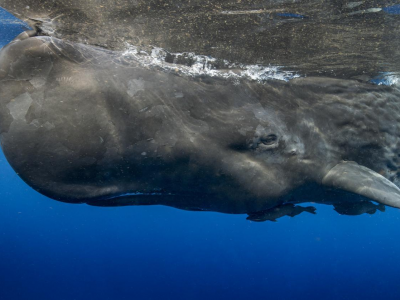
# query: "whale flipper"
357 208
381 207
351 177
280 211
309 209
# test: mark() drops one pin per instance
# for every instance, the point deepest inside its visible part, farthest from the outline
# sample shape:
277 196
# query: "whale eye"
269 139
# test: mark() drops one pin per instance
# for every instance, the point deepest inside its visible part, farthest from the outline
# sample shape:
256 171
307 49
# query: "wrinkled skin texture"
83 125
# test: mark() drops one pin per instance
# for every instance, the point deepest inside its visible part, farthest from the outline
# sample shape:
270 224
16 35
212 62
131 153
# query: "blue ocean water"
52 250
10 27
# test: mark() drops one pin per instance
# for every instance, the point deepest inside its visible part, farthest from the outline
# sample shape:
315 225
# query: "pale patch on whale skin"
48 126
19 106
38 82
135 86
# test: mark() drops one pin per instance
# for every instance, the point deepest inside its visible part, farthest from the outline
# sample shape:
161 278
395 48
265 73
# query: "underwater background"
53 250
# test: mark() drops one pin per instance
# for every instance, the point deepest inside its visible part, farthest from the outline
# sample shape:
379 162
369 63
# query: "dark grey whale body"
86 125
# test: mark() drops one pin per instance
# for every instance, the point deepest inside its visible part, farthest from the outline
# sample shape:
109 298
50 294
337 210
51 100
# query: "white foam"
389 79
201 65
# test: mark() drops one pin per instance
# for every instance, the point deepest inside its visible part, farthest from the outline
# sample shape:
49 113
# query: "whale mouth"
128 199
133 194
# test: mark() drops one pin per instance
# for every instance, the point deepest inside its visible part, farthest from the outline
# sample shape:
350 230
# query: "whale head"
85 125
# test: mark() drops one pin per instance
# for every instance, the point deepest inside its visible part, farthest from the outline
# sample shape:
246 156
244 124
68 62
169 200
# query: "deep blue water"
52 250
10 27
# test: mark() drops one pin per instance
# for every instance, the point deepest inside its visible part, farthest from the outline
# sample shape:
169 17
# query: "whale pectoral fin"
351 177
310 209
356 208
300 209
280 211
381 207
261 216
